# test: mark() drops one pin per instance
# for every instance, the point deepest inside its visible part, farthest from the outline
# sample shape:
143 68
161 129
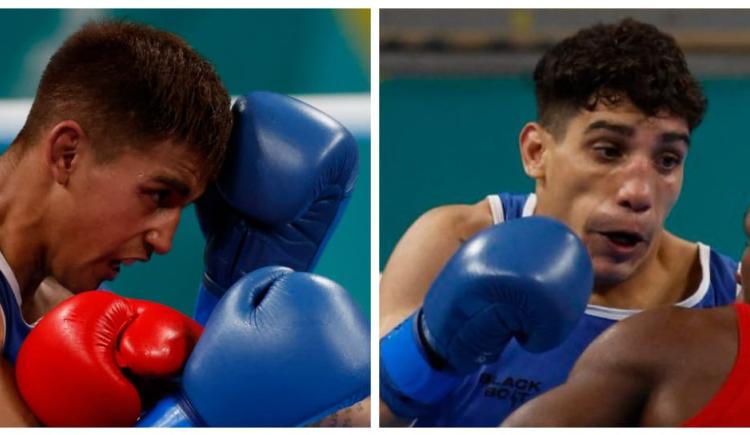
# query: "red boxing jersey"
729 406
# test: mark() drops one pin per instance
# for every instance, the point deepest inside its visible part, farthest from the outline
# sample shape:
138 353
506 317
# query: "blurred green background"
456 89
286 51
455 139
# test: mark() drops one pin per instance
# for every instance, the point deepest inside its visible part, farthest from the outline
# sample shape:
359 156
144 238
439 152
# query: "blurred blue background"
286 51
456 90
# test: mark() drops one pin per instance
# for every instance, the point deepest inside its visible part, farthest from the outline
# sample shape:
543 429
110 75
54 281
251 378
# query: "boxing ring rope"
352 110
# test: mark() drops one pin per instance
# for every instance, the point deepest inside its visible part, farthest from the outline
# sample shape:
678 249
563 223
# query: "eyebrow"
675 137
621 129
628 131
181 188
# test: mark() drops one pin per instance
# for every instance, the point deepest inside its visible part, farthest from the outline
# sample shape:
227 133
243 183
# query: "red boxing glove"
70 367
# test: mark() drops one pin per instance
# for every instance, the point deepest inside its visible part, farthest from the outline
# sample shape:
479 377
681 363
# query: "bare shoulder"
701 335
462 220
670 324
656 339
680 325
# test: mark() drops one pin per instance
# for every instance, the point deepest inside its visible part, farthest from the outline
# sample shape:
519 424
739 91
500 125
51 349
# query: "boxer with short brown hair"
127 127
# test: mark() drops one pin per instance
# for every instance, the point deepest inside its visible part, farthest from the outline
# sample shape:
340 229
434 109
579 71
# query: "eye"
668 161
159 197
607 151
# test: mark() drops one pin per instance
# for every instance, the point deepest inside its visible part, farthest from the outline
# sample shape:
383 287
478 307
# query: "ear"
63 149
533 142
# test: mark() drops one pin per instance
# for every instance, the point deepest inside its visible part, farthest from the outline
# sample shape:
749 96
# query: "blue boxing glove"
281 349
528 279
288 175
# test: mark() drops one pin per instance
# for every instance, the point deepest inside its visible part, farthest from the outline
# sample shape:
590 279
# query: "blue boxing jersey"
16 329
487 397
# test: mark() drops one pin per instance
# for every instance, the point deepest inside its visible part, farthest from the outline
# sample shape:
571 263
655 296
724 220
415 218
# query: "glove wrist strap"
409 383
171 411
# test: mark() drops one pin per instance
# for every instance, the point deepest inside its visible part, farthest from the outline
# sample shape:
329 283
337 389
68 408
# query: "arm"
13 410
421 253
415 262
528 279
357 415
611 382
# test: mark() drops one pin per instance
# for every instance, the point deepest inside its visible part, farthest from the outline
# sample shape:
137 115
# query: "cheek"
104 200
114 220
574 172
570 193
669 192
578 189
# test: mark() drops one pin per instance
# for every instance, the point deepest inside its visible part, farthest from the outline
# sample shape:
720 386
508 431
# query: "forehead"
166 160
626 113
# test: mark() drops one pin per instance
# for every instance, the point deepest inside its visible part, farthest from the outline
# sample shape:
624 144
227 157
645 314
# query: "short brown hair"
604 63
135 86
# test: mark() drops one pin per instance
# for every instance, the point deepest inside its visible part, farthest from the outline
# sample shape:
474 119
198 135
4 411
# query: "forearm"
357 415
13 410
389 419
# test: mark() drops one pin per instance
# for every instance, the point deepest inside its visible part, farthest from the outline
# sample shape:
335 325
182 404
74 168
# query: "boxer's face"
115 213
613 177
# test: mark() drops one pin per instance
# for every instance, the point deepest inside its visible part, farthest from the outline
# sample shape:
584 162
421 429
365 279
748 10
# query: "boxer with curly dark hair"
616 109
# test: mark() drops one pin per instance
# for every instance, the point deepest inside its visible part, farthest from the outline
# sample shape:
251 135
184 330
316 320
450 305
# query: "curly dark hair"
605 63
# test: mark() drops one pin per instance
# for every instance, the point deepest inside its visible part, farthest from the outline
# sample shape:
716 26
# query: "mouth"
624 239
114 265
113 269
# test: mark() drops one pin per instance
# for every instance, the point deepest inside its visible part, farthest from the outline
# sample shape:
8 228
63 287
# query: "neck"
23 191
669 274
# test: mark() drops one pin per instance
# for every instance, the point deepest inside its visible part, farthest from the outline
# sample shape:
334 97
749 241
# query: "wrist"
171 411
213 286
205 302
411 383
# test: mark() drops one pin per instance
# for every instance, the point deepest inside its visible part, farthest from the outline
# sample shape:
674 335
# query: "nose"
636 190
161 233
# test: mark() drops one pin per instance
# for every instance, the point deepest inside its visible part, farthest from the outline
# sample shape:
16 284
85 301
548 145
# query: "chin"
81 286
609 274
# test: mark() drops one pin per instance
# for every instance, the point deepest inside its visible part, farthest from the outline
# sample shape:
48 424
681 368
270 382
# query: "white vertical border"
374 216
